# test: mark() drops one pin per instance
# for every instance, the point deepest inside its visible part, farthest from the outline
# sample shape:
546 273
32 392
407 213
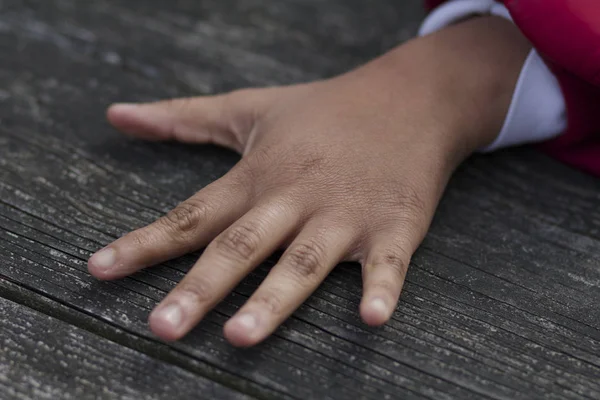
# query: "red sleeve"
431 4
567 34
565 31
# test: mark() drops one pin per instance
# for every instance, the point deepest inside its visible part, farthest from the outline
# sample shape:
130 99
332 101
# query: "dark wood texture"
44 357
502 300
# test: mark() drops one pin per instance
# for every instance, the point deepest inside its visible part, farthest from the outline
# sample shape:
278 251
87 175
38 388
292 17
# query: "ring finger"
302 268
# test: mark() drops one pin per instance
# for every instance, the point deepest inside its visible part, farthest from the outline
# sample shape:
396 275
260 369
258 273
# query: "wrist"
460 79
479 62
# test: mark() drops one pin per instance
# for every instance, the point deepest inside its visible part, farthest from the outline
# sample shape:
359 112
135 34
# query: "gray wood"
501 300
43 357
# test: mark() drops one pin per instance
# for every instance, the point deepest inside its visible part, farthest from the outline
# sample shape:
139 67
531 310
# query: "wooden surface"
502 300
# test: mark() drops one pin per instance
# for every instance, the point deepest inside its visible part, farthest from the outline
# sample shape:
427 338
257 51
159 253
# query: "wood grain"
44 357
501 300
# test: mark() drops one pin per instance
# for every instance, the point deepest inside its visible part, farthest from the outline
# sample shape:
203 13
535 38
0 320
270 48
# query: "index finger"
188 227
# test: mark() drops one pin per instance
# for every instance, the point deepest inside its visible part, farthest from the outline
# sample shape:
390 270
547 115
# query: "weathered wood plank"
156 350
501 299
45 358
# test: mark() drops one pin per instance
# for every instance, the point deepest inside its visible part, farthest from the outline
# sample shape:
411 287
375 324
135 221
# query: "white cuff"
538 109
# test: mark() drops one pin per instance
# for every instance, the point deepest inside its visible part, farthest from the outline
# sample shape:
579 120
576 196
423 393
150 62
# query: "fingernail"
171 315
104 260
247 322
379 306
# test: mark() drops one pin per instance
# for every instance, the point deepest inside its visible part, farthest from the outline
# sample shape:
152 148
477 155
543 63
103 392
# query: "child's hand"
350 168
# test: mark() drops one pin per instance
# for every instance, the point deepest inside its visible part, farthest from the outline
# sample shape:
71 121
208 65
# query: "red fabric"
566 31
431 4
567 34
579 145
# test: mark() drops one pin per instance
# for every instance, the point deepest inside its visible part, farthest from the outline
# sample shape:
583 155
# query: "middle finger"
225 262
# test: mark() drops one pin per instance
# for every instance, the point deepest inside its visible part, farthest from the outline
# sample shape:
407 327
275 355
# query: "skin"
346 169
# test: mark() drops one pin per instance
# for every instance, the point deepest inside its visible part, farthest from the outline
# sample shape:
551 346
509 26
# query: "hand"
350 168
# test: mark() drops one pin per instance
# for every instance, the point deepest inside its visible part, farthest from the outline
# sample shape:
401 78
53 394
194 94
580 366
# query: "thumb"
225 120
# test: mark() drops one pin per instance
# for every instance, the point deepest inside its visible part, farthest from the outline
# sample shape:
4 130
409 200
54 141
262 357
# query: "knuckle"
240 241
187 217
397 259
312 161
196 288
411 201
306 260
261 158
407 211
269 301
257 166
312 164
241 181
